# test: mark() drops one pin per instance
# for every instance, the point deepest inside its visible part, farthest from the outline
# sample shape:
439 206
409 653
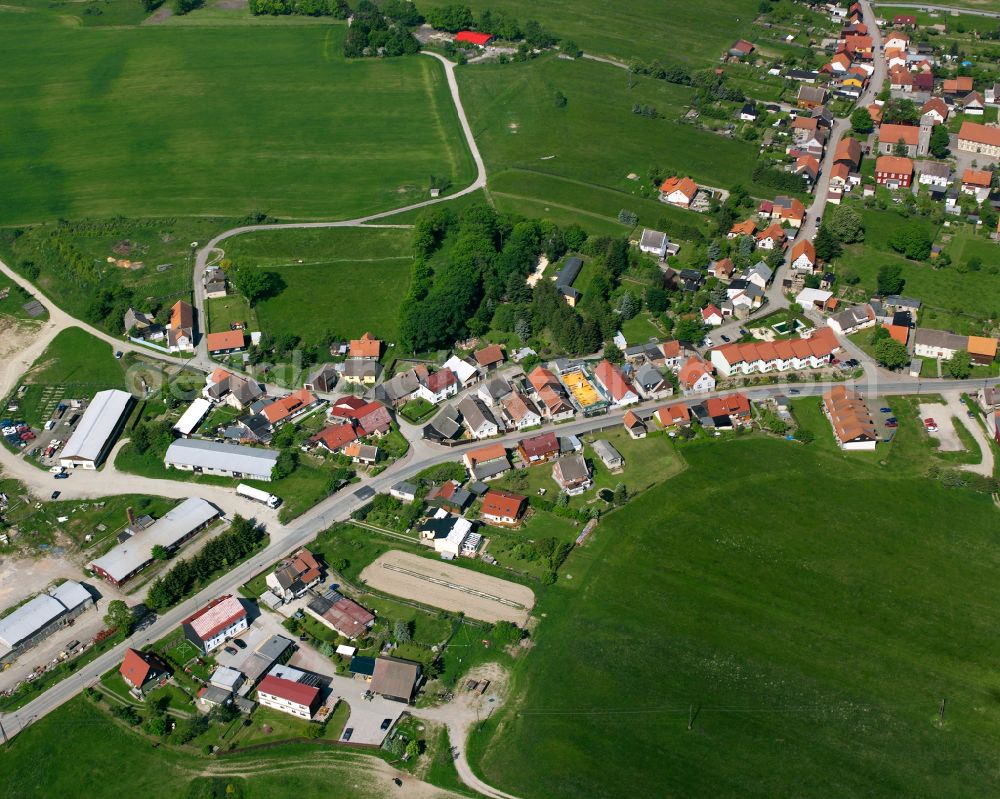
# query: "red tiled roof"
286 406
774 231
977 177
289 690
672 414
135 669
900 333
736 404
893 133
218 376
490 355
227 340
503 504
822 343
613 380
895 164
804 247
216 616
540 376
630 420
709 311
692 371
685 186
440 380
981 134
333 438
365 347
747 227
542 444
491 452
181 316
671 349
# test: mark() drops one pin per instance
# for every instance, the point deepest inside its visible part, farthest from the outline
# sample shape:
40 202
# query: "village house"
487 463
771 238
449 495
333 439
654 242
225 343
217 622
977 183
539 449
671 416
635 426
651 382
361 371
446 533
503 507
365 454
572 474
490 357
494 390
851 320
783 355
342 615
934 173
711 315
745 228
853 426
941 344
734 408
141 670
438 386
467 372
401 388
476 418
893 172
372 418
937 109
367 348
294 693
678 191
979 139
294 576
618 387
180 328
804 256
520 411
695 376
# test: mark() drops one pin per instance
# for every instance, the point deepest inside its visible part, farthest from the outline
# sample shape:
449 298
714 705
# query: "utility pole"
941 711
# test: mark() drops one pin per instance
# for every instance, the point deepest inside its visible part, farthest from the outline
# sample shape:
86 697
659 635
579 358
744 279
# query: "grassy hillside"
813 613
690 33
214 119
339 280
579 156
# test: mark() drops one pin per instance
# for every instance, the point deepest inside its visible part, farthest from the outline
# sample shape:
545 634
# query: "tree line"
241 539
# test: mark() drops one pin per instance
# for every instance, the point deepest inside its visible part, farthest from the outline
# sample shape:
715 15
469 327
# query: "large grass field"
579 156
343 281
811 608
214 119
692 34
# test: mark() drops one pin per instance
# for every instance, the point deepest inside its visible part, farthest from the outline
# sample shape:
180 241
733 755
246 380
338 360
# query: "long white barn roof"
97 425
228 457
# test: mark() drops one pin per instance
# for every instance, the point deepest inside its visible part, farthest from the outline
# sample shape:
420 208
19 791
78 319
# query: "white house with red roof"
621 391
290 691
678 191
696 376
780 356
711 315
438 386
217 622
804 256
141 668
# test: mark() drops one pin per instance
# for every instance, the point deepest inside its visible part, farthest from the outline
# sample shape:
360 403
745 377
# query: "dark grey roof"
446 425
903 302
483 471
398 387
475 413
648 376
404 487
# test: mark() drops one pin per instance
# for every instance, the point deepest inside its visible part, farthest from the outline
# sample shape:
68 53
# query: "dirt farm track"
449 587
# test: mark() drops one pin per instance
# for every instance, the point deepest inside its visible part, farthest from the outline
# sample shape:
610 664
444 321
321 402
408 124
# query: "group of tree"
890 353
912 240
767 175
841 225
861 121
900 111
375 32
454 18
338 9
889 279
241 539
671 73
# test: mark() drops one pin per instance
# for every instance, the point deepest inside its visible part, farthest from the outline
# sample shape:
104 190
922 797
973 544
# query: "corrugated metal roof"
192 416
71 594
125 558
32 617
98 423
228 457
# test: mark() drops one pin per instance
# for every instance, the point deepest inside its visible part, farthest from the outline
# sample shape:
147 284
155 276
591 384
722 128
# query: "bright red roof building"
474 37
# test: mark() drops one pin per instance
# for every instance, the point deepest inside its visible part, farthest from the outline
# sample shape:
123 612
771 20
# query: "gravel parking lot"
948 440
450 587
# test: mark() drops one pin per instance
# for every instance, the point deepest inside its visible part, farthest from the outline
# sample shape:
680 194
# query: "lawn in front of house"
223 312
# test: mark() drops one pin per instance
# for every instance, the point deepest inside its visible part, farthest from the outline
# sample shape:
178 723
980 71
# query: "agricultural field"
762 645
694 35
579 156
336 281
211 118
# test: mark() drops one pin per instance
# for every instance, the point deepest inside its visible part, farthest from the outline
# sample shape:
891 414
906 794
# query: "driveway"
950 442
367 714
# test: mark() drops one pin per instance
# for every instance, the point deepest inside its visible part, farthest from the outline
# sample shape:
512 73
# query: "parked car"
794 391
118 354
347 734
61 476
885 410
744 331
931 425
240 643
726 339
891 423
55 495
232 650
386 723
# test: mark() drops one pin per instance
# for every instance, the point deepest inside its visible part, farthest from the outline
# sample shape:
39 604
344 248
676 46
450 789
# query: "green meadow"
576 159
213 119
340 280
749 632
694 34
